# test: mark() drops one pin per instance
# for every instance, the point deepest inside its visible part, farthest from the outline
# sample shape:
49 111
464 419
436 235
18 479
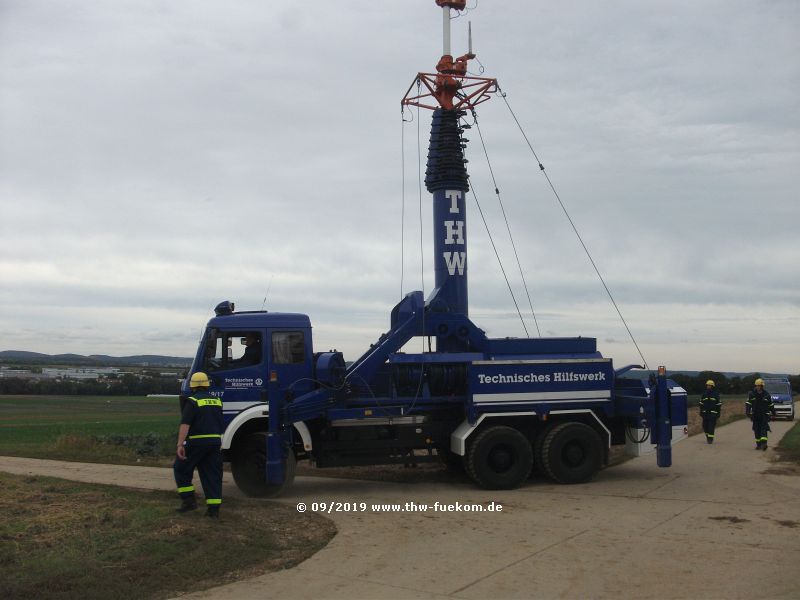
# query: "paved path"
715 525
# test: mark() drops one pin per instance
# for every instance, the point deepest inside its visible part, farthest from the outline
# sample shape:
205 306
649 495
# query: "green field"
92 428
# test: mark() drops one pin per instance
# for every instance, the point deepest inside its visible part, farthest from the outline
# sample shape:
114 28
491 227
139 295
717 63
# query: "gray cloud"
156 158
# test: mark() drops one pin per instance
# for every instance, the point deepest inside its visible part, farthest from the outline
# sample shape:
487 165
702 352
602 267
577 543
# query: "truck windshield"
780 388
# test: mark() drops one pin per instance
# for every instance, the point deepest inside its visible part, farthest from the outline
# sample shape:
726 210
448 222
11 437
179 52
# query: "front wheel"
249 469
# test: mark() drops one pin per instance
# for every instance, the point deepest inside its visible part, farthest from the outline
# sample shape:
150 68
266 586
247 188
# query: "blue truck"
781 391
498 408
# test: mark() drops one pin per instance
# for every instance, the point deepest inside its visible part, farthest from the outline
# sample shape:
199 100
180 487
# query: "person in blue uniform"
710 409
199 446
760 409
252 351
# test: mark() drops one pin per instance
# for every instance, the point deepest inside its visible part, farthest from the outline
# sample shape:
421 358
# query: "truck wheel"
500 458
572 453
249 469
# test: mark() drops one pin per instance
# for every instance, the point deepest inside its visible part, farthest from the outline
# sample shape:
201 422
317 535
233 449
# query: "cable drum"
442 380
330 369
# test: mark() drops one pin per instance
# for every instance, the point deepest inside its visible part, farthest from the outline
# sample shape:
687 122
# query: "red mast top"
450 86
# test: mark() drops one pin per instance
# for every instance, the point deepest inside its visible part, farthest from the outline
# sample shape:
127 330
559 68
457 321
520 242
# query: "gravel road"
723 522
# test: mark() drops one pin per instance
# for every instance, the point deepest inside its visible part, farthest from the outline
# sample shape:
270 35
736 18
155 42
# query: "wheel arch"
458 439
256 418
588 416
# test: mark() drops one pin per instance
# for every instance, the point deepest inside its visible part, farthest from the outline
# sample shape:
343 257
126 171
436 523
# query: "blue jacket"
759 405
203 414
710 404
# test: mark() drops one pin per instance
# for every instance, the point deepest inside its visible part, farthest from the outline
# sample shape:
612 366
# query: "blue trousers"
709 424
208 461
760 428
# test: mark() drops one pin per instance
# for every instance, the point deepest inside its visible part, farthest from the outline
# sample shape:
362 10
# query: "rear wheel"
572 453
249 469
500 458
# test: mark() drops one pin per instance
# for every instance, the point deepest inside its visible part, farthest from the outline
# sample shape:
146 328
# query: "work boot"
212 511
187 504
709 440
764 446
758 445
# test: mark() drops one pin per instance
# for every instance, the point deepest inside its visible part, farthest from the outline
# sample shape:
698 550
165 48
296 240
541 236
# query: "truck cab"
242 352
780 390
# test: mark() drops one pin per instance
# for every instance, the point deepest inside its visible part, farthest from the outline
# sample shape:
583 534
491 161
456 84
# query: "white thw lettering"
455 196
455 260
455 232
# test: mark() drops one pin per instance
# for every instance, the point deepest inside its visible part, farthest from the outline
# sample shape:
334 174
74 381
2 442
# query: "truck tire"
499 458
572 453
249 469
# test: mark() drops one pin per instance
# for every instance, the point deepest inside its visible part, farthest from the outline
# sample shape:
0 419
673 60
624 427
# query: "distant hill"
94 360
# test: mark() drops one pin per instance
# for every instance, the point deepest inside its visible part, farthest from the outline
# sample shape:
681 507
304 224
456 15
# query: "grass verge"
61 539
788 449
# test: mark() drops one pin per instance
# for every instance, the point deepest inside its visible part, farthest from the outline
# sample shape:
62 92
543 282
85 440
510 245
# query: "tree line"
124 385
696 384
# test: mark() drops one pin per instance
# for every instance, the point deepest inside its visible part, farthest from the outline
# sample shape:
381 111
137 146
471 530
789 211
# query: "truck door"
236 365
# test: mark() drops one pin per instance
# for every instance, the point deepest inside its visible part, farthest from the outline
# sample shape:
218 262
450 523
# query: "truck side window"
233 350
288 347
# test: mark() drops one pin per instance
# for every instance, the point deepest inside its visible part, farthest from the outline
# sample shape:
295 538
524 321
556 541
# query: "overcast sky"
157 157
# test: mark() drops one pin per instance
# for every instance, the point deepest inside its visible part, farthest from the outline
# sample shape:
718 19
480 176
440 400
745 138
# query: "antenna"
269 286
450 87
446 29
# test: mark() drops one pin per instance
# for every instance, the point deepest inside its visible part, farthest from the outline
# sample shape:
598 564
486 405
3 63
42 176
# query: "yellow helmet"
710 382
759 381
199 379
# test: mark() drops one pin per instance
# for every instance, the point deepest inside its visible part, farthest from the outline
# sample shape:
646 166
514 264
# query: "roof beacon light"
224 308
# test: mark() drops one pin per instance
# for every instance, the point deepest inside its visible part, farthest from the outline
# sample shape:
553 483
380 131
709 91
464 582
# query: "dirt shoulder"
61 539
